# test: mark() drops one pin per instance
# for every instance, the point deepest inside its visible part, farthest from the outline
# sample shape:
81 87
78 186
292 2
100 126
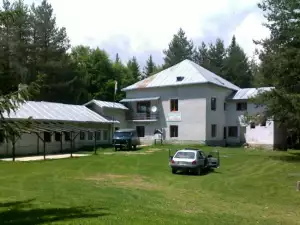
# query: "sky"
143 27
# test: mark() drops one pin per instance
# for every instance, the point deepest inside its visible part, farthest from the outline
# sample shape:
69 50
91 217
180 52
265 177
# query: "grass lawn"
251 187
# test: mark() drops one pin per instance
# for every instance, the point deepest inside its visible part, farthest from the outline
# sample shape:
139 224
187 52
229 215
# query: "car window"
185 155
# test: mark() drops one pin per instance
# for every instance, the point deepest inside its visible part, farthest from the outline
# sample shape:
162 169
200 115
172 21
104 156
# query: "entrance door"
225 133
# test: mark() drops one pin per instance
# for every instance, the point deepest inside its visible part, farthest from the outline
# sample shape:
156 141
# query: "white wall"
260 135
194 106
28 143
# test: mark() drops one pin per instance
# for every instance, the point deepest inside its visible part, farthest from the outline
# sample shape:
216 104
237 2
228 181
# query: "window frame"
174 105
213 128
229 129
143 131
239 106
213 106
176 131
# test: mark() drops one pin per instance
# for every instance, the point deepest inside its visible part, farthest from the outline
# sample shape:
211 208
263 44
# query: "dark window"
90 136
82 135
143 107
232 131
57 136
47 137
225 106
213 130
105 135
174 105
140 131
98 135
252 125
213 104
241 106
173 131
67 136
1 136
263 122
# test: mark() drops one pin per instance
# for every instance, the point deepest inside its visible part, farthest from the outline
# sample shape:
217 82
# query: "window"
232 131
241 106
117 128
252 125
105 135
67 136
213 130
263 122
173 131
143 107
174 105
47 137
90 136
57 136
225 106
98 135
213 104
82 135
140 131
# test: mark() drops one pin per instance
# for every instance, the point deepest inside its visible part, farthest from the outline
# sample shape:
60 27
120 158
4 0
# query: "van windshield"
185 155
122 134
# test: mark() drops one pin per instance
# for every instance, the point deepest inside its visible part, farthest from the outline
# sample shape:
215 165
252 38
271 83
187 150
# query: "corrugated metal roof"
56 112
139 99
191 72
101 104
247 93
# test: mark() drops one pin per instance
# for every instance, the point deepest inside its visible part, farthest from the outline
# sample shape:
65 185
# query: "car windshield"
185 155
122 134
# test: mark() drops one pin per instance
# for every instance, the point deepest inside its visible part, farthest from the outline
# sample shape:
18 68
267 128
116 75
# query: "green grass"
251 187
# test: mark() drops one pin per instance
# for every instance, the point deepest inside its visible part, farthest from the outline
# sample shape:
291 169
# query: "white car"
193 160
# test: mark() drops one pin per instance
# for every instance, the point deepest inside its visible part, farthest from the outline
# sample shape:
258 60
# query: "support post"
61 136
44 144
13 147
95 150
38 146
71 144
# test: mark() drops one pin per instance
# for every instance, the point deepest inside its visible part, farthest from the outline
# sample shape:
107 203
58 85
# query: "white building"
188 103
191 104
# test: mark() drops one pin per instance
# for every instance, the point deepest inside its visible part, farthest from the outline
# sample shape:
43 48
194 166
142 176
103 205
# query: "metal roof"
187 72
105 104
139 99
247 93
55 112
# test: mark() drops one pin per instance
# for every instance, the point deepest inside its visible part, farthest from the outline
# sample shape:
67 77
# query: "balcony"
150 116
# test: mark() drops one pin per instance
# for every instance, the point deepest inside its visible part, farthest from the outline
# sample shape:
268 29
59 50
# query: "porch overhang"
139 99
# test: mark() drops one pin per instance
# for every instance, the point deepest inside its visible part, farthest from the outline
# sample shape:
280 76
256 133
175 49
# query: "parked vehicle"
125 138
193 160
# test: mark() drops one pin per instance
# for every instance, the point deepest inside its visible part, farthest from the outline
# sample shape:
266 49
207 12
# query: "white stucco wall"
28 143
194 106
260 135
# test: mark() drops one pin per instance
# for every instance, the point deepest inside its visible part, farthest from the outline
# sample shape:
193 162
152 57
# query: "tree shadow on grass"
292 157
23 213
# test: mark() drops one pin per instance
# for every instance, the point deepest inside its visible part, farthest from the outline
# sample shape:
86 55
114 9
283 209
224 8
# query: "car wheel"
198 171
174 171
134 147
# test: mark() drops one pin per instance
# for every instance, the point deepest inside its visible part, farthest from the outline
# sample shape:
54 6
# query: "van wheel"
134 147
116 149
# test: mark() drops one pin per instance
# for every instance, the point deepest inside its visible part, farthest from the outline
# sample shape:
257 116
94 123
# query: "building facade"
190 104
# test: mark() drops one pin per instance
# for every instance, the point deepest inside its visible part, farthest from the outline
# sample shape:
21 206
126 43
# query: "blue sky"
142 27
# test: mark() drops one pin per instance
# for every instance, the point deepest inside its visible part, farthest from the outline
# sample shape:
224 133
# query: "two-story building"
191 104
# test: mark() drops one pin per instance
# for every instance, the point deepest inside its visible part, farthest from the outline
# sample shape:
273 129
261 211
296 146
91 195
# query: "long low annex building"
56 127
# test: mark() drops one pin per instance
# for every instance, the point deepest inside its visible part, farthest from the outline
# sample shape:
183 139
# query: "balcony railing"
142 116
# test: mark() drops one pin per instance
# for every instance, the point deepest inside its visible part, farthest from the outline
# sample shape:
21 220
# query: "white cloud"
149 25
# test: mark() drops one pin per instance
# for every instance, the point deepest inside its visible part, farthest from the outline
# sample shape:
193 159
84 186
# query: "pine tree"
201 56
134 68
180 48
150 68
216 55
280 59
237 67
